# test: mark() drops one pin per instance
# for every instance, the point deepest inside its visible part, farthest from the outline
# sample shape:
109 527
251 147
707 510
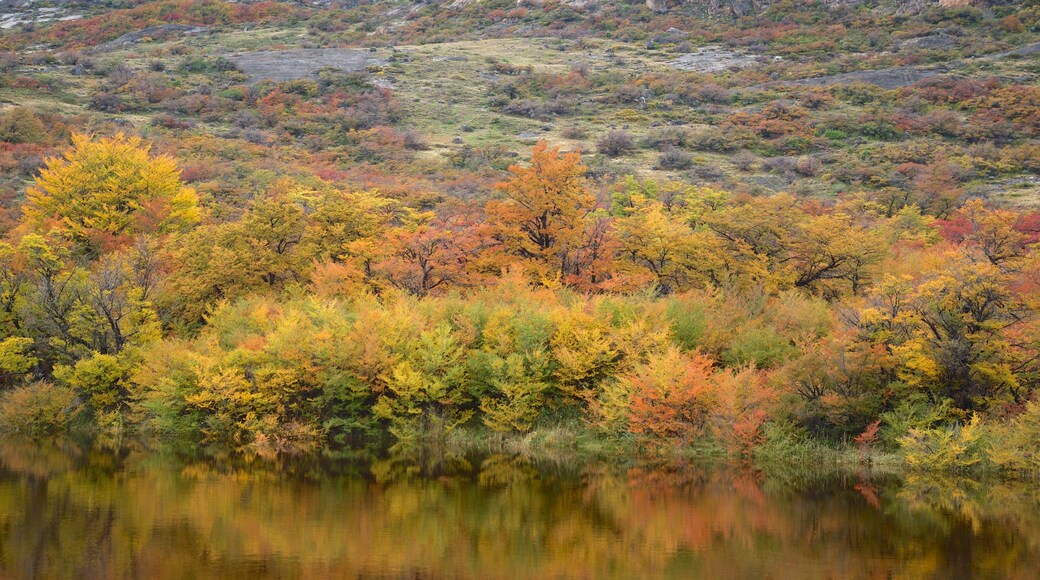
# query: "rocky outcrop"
738 8
152 32
658 5
298 63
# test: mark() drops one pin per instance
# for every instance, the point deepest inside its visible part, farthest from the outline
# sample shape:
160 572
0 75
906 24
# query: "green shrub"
1017 445
688 320
757 344
958 447
516 395
836 134
915 412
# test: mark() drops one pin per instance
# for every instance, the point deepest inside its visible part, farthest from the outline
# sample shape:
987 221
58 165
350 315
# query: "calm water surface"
84 512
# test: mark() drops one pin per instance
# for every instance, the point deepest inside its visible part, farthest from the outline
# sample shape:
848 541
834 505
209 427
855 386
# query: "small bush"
759 345
808 166
100 381
574 132
616 144
688 317
674 159
668 138
414 140
106 103
39 409
20 125
744 160
1016 447
914 412
672 397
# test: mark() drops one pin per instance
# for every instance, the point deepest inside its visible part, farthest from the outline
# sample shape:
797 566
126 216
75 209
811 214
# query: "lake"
86 511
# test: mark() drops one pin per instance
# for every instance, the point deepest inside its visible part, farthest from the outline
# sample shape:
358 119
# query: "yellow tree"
103 192
275 244
828 254
951 332
652 240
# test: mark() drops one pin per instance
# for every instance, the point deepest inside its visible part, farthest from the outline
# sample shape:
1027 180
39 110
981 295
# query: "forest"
573 245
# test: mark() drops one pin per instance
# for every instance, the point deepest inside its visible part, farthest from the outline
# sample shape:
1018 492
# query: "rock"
132 38
1027 50
658 5
287 65
941 41
889 78
713 59
740 7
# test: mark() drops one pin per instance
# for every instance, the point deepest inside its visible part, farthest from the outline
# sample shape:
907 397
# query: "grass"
569 442
564 440
444 87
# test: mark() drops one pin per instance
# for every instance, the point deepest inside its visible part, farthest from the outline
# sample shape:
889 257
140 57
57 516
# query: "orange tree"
549 220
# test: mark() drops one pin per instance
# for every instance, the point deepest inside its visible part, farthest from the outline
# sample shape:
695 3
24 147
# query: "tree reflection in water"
69 511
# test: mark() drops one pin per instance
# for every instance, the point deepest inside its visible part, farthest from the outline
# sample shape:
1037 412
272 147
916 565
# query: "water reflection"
74 511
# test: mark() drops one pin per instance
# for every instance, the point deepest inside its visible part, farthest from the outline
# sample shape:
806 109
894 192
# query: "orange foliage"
672 400
549 220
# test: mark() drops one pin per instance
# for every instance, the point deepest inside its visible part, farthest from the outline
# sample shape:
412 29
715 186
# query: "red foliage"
869 435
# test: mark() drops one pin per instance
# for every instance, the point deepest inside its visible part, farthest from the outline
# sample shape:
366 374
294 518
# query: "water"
83 512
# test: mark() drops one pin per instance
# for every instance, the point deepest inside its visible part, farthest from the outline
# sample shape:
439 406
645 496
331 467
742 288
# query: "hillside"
865 89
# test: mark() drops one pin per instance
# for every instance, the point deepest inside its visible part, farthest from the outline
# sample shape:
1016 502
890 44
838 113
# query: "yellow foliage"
104 191
516 393
14 358
38 409
956 448
584 351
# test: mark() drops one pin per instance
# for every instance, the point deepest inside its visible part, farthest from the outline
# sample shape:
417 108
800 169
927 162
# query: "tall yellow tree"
103 192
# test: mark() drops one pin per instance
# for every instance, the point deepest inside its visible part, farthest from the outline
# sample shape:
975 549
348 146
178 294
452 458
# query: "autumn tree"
432 258
672 397
994 232
660 235
103 192
12 276
952 331
832 255
277 243
827 253
548 219
74 311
